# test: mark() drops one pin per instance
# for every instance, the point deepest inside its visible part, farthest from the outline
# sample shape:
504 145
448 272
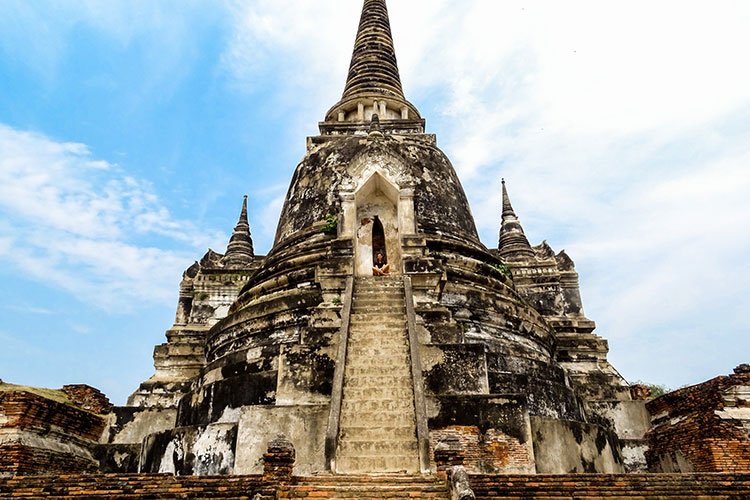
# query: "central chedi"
455 345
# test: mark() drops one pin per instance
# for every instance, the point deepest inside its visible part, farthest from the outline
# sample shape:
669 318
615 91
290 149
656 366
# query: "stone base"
565 447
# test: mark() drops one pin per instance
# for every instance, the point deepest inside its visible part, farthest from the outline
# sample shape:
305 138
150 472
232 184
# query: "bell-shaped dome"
412 164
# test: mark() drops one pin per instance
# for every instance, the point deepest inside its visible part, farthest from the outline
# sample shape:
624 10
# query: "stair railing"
420 407
337 392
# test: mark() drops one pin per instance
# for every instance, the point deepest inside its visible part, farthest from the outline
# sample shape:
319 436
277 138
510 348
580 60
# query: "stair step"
380 419
391 345
380 317
376 464
385 316
376 352
369 433
375 300
379 284
371 292
378 405
379 448
380 311
388 327
364 337
402 381
399 359
372 492
388 310
379 393
366 331
372 372
378 480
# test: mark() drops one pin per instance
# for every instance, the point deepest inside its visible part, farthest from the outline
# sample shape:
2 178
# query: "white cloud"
29 309
166 33
621 129
78 222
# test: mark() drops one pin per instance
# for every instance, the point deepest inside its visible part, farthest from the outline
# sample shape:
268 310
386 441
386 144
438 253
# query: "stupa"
457 344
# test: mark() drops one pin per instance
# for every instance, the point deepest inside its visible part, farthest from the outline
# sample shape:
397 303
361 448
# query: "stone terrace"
560 487
613 486
159 486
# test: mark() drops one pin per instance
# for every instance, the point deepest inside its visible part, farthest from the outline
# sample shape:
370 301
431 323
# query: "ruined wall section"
493 324
207 291
702 428
275 349
43 431
549 282
488 362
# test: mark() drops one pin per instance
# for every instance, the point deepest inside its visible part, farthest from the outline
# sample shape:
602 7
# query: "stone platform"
561 487
612 486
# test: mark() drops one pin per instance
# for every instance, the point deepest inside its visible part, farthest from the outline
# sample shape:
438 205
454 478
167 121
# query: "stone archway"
377 203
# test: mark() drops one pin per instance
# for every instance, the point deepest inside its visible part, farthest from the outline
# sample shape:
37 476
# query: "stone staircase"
613 486
378 423
381 487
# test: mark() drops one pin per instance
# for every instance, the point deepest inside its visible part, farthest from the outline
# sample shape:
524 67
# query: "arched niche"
377 197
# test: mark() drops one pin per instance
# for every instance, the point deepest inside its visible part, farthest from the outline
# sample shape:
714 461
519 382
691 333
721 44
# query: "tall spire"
373 85
513 241
374 68
240 249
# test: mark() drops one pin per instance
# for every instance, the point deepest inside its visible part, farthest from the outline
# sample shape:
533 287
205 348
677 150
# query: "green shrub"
502 268
656 389
331 224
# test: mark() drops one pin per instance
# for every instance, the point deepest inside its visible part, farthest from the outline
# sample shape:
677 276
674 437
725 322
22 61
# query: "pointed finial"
507 207
373 77
240 250
374 67
513 242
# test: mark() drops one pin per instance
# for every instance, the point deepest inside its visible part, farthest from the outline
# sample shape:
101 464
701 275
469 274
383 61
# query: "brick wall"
630 486
492 451
88 398
700 428
27 411
41 435
16 458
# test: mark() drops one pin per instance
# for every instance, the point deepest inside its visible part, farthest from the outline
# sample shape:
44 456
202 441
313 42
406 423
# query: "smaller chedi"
379 332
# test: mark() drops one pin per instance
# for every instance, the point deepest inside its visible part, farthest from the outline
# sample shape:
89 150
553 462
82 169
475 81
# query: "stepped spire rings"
240 251
513 242
373 85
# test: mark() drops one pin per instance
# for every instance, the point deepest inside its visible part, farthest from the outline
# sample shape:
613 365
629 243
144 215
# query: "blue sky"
129 132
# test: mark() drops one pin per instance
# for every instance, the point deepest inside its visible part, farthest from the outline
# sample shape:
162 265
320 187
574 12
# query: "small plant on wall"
330 225
502 268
